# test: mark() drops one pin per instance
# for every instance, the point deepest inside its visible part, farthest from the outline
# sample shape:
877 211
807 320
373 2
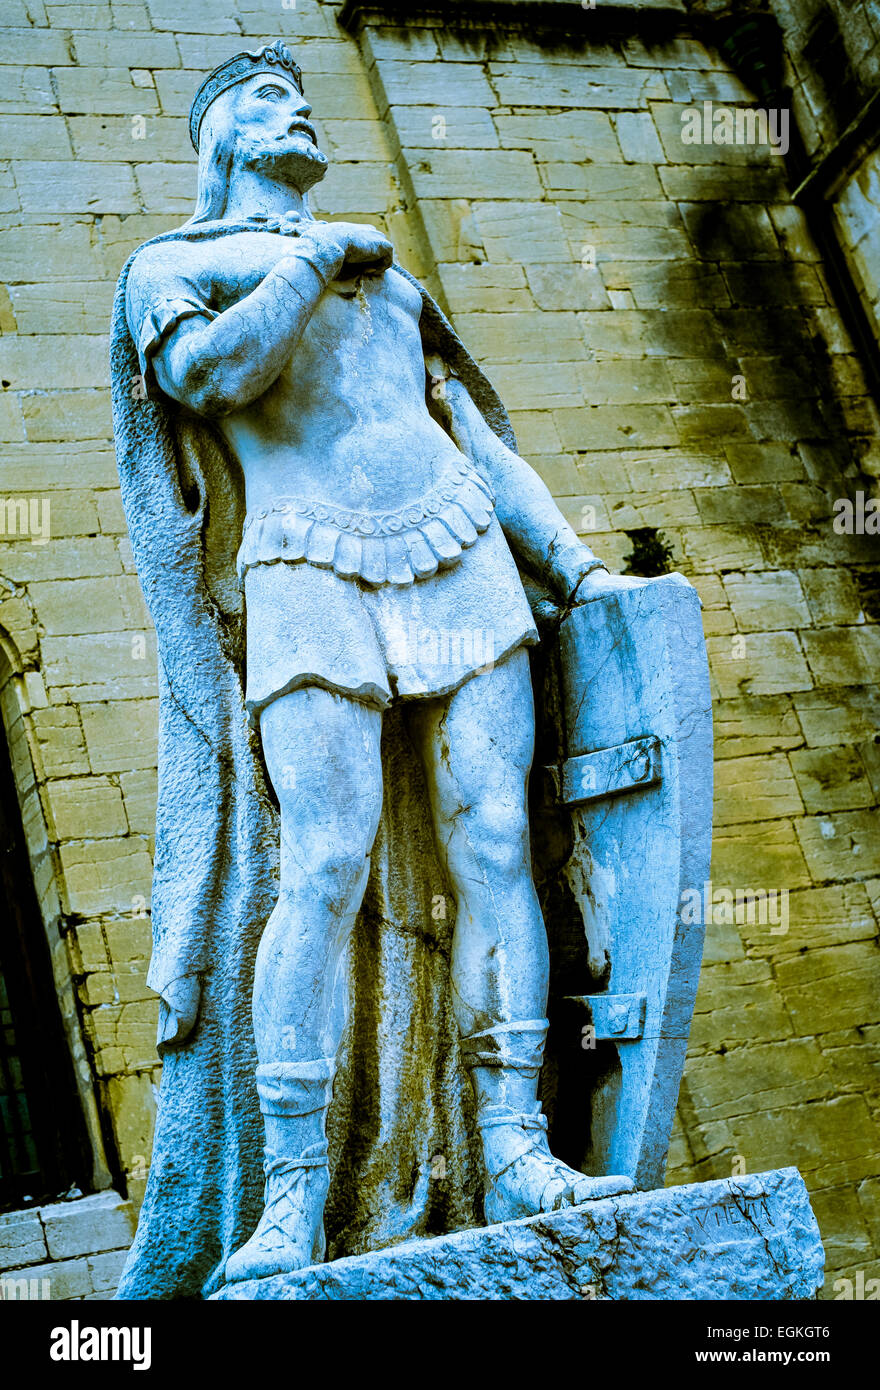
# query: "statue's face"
273 136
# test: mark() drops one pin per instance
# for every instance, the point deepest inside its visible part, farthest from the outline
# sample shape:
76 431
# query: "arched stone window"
50 1137
43 1144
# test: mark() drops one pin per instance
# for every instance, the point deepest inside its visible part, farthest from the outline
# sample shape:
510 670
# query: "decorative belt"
388 547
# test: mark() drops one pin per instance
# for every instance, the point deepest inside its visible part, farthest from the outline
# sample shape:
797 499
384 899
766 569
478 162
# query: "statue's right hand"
361 245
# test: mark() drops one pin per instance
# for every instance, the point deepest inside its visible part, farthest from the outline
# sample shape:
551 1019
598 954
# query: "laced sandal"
523 1178
290 1234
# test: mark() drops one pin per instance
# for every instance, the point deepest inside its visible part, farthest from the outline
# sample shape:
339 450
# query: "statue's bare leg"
323 756
477 746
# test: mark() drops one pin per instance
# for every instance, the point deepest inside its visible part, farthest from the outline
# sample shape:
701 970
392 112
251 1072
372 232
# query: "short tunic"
309 626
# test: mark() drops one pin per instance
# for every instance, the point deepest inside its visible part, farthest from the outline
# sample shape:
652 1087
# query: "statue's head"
250 113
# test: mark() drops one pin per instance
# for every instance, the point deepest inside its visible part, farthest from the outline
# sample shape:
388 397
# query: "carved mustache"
304 126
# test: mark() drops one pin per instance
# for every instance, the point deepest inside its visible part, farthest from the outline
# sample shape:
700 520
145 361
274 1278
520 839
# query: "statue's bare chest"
381 311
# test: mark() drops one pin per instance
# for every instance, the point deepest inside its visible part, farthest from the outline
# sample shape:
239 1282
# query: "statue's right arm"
222 365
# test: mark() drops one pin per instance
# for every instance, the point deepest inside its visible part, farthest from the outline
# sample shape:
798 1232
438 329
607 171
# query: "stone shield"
631 783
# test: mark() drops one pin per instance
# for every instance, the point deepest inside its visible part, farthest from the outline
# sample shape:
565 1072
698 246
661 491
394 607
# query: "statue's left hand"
600 582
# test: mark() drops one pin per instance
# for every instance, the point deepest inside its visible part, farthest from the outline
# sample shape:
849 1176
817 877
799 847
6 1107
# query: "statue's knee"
329 861
328 828
493 838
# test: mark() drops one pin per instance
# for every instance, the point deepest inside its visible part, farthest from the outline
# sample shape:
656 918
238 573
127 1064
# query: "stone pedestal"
751 1237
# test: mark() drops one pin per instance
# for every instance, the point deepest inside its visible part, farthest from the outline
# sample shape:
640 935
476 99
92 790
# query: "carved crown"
269 58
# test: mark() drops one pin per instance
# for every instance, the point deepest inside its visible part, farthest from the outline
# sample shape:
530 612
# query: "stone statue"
330 521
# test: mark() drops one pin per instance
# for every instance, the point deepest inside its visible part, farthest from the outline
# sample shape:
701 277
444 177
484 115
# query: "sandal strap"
518 1046
493 1116
277 1165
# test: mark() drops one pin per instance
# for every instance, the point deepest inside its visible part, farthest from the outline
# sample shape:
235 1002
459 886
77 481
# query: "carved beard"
293 161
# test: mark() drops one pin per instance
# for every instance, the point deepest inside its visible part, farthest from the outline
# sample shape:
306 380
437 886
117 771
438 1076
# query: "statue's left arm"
538 533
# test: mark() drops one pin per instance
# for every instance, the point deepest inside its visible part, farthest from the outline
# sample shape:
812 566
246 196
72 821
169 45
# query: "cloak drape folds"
402 1161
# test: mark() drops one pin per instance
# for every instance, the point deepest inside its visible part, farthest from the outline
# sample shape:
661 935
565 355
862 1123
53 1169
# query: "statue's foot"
290 1234
522 1176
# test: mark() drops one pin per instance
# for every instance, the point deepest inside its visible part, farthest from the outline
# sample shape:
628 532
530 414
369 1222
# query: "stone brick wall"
657 318
68 1250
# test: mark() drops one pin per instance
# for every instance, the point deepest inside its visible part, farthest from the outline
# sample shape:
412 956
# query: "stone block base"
739 1238
66 1250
